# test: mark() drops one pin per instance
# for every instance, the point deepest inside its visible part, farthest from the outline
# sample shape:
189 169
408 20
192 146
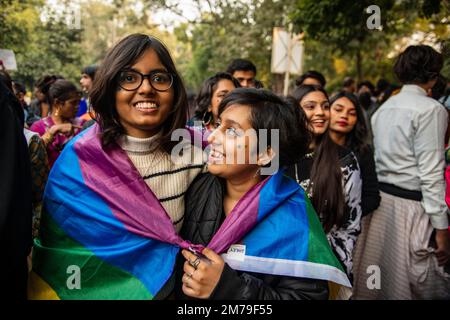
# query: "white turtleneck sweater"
167 179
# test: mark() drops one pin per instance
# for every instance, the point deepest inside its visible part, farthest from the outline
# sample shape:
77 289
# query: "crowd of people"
89 182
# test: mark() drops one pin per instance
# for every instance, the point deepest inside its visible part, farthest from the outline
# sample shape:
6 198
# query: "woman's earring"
116 122
257 173
207 117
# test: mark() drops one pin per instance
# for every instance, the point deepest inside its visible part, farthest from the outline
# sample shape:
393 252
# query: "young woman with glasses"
117 195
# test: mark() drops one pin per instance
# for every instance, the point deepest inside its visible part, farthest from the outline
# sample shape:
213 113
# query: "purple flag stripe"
128 196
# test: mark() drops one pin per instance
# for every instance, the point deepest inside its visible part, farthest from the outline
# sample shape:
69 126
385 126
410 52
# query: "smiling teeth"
146 105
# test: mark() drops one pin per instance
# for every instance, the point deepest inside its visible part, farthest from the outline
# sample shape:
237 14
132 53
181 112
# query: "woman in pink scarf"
61 125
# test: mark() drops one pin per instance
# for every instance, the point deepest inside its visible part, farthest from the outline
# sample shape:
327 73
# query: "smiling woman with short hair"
257 228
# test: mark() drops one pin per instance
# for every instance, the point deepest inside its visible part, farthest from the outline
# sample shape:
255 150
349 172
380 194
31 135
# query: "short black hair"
439 88
90 71
203 99
18 87
269 111
382 84
368 84
418 65
348 81
241 64
311 74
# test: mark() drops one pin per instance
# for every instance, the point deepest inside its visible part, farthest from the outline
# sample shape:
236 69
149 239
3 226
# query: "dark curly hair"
357 138
103 96
269 111
418 65
203 98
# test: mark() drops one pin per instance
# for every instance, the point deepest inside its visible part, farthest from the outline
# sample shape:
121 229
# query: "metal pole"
288 64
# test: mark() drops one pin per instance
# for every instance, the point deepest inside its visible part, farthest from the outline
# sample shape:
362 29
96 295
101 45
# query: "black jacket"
203 217
15 197
370 195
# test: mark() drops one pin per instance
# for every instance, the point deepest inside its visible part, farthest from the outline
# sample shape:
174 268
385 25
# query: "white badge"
236 252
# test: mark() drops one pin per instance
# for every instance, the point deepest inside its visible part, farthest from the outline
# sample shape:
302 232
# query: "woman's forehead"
315 96
344 102
237 113
148 61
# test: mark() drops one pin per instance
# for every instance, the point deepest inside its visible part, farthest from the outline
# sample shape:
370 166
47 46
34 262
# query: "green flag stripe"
57 257
316 244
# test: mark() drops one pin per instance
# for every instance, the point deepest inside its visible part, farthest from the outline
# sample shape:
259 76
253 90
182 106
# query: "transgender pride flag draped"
101 218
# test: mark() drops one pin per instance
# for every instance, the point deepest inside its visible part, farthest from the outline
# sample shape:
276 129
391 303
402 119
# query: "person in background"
39 174
438 93
349 85
384 90
368 102
407 236
86 81
244 71
20 92
38 159
348 128
438 90
365 86
15 195
330 175
40 105
445 99
259 84
447 192
212 92
311 77
61 125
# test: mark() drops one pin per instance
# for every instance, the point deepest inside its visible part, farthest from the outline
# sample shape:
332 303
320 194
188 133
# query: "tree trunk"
359 70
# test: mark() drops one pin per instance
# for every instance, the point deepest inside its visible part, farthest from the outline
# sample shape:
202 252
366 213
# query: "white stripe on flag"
302 269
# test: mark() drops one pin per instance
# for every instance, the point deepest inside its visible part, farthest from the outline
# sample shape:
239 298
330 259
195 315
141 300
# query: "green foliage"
341 27
40 48
337 40
235 29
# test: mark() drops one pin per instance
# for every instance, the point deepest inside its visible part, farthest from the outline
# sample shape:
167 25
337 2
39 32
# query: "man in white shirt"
409 231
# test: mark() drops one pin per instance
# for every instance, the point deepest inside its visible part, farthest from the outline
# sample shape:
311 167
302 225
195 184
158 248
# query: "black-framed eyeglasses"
131 80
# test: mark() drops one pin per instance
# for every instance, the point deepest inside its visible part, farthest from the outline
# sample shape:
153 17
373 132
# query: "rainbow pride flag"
104 234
